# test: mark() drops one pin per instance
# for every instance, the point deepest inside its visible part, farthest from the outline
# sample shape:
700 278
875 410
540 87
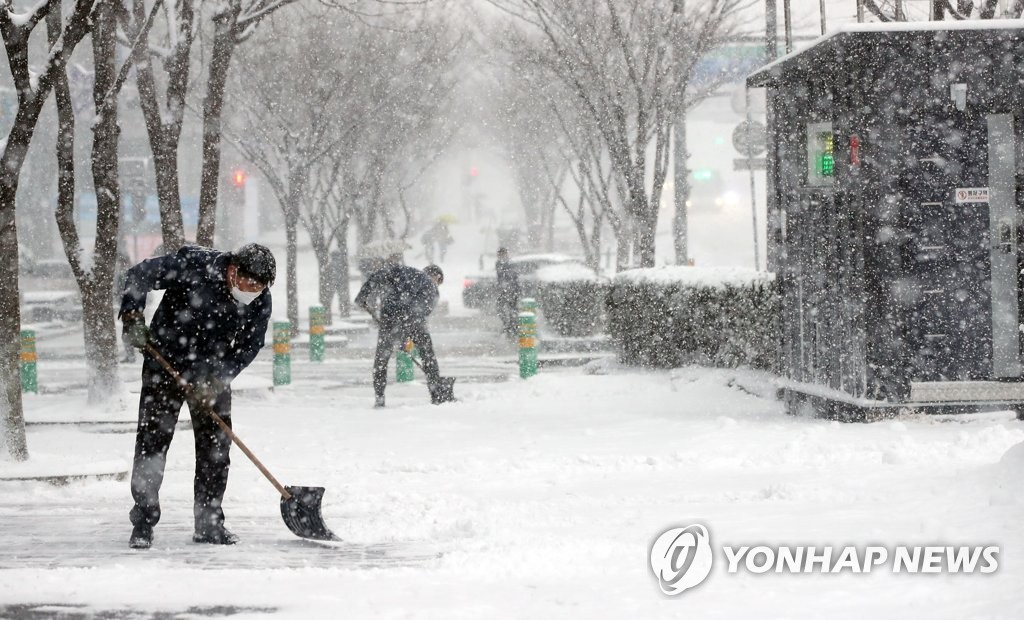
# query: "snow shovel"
300 506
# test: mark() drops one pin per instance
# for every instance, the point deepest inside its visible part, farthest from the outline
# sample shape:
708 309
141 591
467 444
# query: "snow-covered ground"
526 499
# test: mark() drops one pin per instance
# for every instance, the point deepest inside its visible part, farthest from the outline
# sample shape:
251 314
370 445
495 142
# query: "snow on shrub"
670 316
571 298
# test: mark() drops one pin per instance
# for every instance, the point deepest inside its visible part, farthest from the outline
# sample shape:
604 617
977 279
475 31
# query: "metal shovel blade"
443 391
301 513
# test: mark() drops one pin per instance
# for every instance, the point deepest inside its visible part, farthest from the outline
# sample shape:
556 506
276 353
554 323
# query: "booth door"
1003 225
947 252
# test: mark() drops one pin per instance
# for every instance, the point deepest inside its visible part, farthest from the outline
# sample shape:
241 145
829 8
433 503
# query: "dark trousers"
159 404
509 315
389 338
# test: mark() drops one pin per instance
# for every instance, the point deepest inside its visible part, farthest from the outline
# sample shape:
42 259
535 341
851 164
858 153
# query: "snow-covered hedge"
571 299
670 316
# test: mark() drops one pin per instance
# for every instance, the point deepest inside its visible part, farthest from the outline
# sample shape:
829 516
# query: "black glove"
205 392
135 331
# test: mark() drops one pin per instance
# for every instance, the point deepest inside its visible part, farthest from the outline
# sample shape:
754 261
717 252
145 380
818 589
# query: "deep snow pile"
533 498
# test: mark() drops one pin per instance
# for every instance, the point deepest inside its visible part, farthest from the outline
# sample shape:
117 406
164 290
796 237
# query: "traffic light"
238 177
470 176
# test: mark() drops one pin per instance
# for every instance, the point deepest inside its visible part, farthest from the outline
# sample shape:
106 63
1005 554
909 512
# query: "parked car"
480 291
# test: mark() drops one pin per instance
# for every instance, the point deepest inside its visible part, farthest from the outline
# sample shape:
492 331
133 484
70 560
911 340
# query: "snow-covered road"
533 498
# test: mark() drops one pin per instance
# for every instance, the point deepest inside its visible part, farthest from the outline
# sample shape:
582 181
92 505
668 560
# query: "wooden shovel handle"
220 422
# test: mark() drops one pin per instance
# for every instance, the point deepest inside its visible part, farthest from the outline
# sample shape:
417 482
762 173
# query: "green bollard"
29 376
527 344
282 353
528 304
317 318
404 363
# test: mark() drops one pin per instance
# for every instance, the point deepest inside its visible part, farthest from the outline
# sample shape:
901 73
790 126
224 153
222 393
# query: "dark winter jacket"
508 282
198 326
401 295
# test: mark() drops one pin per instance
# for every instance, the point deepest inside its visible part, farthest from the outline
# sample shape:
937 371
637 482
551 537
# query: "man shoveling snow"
210 325
400 298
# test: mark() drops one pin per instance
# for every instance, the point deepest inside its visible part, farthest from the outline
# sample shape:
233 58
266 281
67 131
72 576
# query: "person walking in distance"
209 326
400 298
508 294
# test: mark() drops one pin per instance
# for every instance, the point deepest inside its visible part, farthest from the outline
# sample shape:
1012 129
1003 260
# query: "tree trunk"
97 289
12 159
165 167
645 239
343 274
323 270
681 187
10 323
581 232
164 146
291 223
10 308
624 247
594 256
100 343
65 214
549 225
324 285
224 43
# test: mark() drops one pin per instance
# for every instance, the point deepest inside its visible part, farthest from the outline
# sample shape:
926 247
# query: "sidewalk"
535 498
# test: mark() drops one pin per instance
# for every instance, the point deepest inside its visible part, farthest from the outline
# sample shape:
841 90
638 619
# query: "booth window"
821 162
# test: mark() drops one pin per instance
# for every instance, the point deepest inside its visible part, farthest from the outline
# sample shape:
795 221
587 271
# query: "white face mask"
243 297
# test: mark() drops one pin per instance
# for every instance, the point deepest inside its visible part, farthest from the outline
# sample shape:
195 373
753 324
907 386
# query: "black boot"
142 537
210 526
217 535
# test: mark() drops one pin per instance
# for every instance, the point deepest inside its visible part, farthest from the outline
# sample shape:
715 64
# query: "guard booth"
894 171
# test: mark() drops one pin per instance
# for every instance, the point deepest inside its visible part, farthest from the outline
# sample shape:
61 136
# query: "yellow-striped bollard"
404 364
527 344
317 318
282 353
29 377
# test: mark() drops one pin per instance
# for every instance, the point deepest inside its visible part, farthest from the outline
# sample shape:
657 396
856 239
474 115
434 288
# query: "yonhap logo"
681 558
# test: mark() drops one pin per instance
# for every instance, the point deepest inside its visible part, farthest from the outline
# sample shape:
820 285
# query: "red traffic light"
238 178
473 171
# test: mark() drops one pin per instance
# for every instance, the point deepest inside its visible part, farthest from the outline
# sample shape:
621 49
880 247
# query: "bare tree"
96 282
327 222
234 21
897 10
164 122
286 131
529 133
407 131
33 88
623 60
